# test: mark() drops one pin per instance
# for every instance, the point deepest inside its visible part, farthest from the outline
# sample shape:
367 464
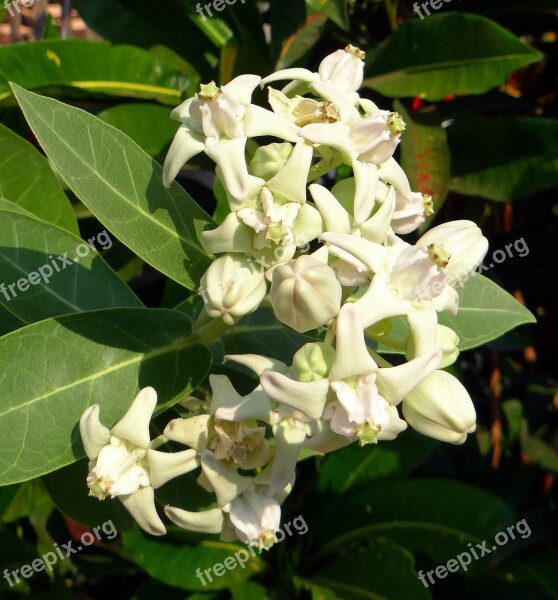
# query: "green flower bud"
305 293
446 341
269 160
313 361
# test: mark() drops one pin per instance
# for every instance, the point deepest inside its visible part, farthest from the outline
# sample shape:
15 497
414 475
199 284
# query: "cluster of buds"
329 260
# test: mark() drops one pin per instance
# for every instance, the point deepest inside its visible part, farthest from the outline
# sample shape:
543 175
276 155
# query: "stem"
158 441
391 10
206 329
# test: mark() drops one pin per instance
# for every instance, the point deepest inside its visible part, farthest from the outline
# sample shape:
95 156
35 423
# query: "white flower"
464 244
343 71
123 464
441 408
256 516
405 278
218 116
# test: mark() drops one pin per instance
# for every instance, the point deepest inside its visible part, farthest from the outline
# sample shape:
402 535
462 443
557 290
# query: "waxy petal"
334 135
164 466
290 183
225 480
335 217
141 505
243 87
258 363
231 236
259 121
423 326
288 442
307 397
376 228
134 425
193 432
205 521
351 354
366 182
255 405
223 392
372 255
186 144
394 383
297 74
94 434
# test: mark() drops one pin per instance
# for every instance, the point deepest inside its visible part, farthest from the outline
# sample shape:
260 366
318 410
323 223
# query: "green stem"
207 329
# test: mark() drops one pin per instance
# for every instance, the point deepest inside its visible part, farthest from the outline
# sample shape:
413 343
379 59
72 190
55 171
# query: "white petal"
351 354
163 466
372 255
205 521
141 505
307 397
94 434
242 188
258 363
325 440
366 182
243 87
423 329
376 228
185 145
335 135
288 443
134 425
448 300
308 225
295 74
223 392
191 432
231 236
290 183
379 303
394 383
226 481
335 217
342 101
259 121
255 405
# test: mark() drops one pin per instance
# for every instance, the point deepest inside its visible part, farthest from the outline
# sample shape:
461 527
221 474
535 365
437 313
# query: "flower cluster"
329 261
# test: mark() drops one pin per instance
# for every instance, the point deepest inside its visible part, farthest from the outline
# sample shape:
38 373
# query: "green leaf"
149 125
93 67
27 179
540 453
53 370
444 55
44 274
437 516
352 577
137 22
248 590
176 565
425 156
485 313
122 186
516 159
354 467
336 10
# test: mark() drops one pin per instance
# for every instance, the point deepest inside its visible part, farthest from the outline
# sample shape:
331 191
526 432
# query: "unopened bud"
305 293
313 361
231 288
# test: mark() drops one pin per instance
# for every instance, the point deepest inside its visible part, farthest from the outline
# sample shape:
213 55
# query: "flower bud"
305 293
441 408
313 362
446 340
232 287
463 242
269 160
343 69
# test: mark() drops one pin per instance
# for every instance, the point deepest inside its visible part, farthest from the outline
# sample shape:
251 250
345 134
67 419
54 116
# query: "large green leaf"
486 312
122 186
27 179
425 155
516 158
149 125
141 23
93 67
176 565
444 55
385 571
336 10
55 279
53 370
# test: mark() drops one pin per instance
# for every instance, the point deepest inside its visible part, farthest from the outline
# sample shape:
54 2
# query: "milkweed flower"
123 464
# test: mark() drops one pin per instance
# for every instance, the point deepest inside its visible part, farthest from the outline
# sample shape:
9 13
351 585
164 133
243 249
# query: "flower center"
356 52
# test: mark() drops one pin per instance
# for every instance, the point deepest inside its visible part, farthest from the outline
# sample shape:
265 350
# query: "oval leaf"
445 55
122 186
53 370
43 274
27 179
